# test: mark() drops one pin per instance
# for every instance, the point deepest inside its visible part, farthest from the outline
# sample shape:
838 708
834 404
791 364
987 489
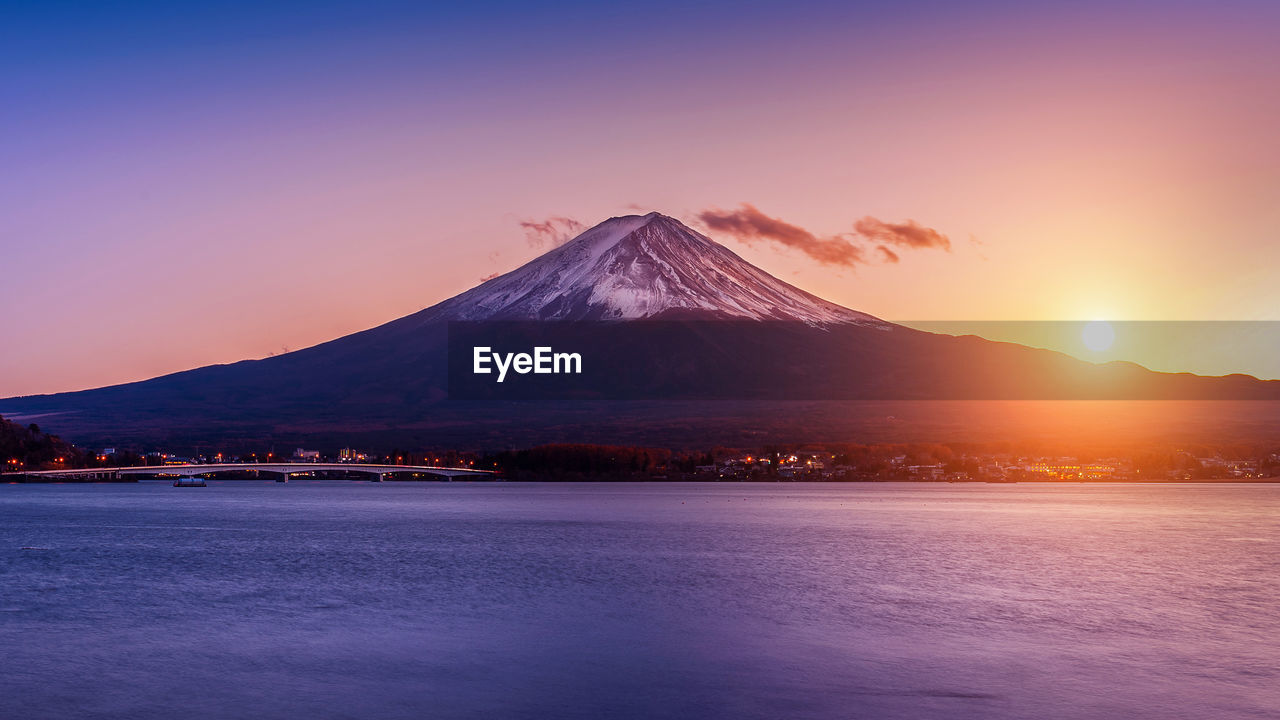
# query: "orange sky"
193 204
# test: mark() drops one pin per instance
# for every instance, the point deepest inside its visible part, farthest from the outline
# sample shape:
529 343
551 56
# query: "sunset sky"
184 185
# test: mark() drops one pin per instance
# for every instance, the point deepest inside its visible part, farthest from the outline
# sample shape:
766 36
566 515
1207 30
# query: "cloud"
489 277
749 225
888 255
554 231
908 234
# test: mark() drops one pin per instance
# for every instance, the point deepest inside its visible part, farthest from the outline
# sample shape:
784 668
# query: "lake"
505 600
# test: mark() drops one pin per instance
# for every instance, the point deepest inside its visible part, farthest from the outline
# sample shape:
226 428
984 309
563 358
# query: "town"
28 449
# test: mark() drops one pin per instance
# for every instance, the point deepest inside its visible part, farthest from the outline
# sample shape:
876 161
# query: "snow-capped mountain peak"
636 267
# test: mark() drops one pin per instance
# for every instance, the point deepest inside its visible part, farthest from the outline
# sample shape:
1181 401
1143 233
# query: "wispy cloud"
905 234
749 225
888 255
554 231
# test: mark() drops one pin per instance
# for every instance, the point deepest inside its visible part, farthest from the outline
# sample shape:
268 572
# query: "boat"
189 482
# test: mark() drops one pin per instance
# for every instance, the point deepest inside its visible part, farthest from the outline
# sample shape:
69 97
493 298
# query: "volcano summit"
641 267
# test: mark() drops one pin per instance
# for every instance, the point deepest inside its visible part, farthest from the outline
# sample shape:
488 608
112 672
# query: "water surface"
459 600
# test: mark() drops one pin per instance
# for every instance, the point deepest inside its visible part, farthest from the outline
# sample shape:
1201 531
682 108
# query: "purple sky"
189 186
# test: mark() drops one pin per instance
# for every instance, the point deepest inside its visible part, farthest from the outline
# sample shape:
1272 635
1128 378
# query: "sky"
187 184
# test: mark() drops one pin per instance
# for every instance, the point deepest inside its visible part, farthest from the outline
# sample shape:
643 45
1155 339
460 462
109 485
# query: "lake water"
459 600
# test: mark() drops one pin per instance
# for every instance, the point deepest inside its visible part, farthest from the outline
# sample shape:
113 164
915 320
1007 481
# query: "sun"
1098 335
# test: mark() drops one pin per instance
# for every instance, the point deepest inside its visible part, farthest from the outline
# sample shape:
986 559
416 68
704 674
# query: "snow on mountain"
641 266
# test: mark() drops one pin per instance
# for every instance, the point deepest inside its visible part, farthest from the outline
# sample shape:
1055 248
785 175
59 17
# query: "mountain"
685 343
641 267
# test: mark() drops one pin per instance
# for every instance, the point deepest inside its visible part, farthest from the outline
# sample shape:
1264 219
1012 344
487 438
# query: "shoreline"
9 479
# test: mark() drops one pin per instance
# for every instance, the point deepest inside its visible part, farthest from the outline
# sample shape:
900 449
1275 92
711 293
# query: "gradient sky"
183 184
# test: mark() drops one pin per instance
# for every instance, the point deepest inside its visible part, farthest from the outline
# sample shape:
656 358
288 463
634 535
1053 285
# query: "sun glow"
1098 335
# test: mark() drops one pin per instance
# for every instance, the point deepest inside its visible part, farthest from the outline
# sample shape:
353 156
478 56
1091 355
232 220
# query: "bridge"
376 473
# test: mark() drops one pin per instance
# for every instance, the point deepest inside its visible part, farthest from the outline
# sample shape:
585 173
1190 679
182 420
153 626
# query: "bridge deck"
278 468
